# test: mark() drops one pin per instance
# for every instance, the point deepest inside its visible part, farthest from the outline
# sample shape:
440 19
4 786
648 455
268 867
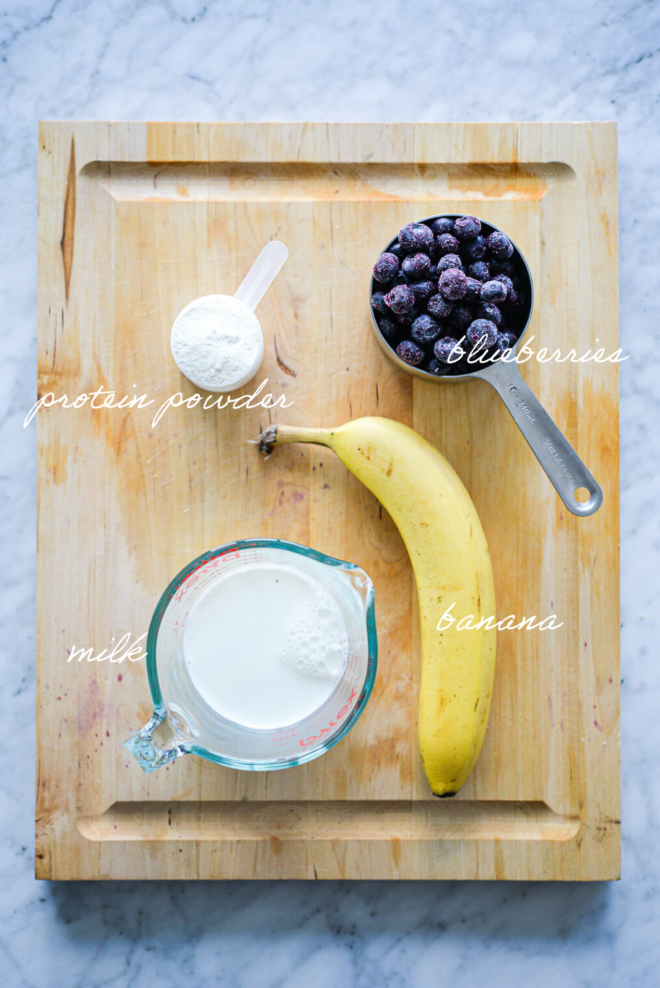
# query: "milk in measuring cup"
265 646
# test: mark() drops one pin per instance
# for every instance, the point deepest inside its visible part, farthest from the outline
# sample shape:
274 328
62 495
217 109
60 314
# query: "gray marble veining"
347 60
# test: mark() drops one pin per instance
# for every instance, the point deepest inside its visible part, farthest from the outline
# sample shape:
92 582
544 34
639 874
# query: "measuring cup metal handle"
563 466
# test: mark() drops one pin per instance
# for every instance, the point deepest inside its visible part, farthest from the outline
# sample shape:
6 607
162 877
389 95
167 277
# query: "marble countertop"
347 60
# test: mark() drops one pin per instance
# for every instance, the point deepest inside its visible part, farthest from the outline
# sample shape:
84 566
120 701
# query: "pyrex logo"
333 723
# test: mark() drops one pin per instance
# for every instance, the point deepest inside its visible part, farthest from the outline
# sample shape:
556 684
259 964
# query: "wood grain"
135 221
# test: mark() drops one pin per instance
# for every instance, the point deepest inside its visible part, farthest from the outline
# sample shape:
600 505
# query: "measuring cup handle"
563 466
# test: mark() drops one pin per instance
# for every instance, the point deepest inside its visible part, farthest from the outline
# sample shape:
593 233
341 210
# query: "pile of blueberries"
443 290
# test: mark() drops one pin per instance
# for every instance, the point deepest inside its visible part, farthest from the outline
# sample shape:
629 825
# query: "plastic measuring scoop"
216 340
262 274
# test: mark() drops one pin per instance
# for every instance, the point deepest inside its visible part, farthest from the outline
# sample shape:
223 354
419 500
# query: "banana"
449 554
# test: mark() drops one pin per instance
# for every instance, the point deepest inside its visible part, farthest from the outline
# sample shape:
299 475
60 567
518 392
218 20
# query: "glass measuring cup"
182 721
563 466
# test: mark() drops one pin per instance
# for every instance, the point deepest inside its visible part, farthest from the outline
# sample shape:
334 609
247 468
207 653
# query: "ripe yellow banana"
447 547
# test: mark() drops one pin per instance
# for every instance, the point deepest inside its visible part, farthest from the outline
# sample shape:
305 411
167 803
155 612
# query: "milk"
265 645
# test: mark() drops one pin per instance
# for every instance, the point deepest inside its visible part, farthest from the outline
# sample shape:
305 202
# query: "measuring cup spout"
156 744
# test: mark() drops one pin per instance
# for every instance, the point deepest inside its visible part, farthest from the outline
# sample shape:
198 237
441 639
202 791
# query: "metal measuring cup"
561 463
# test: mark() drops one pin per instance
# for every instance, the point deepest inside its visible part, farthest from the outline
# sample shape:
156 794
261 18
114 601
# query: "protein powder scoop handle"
262 274
216 340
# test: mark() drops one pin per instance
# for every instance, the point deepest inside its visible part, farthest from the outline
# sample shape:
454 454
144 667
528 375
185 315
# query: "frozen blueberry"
435 367
379 304
390 330
415 237
514 300
423 290
502 343
479 270
433 272
482 329
509 337
460 318
475 249
473 292
416 266
386 267
504 279
452 284
439 307
447 244
487 310
401 299
425 330
448 350
443 224
449 261
410 352
466 227
400 279
407 318
499 245
493 291
502 267
396 249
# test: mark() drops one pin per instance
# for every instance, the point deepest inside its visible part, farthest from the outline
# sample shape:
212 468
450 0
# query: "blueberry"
487 310
466 227
443 224
389 329
502 343
433 272
407 318
400 279
509 337
504 279
401 299
435 367
397 250
416 266
475 249
423 290
452 284
406 237
447 244
379 304
514 300
460 318
415 236
473 292
493 291
502 267
410 352
479 270
425 237
448 350
386 267
449 261
482 329
499 245
439 307
425 330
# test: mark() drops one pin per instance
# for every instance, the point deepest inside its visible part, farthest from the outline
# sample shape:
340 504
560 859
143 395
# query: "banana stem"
277 435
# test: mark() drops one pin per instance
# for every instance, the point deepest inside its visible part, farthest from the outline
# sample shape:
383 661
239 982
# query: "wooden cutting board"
136 220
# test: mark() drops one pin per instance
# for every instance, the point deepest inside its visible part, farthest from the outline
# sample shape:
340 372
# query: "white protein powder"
217 342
